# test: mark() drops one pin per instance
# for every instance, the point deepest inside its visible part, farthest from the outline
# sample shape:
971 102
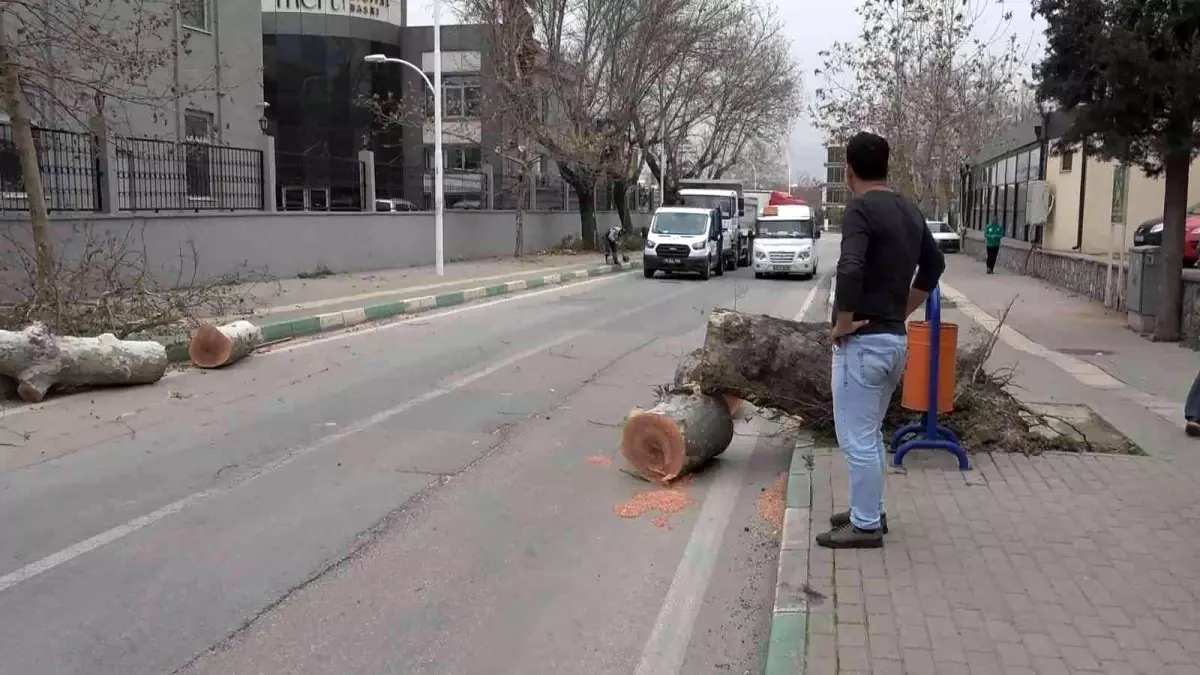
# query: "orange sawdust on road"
665 501
602 460
771 504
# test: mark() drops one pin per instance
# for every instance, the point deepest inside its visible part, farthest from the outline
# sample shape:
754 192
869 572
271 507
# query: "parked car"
468 204
1150 232
391 205
945 236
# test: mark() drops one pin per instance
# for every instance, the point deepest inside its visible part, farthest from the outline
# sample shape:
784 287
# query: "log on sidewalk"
679 435
770 362
38 360
215 347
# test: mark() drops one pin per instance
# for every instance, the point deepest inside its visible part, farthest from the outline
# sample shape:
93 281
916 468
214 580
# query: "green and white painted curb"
789 618
294 327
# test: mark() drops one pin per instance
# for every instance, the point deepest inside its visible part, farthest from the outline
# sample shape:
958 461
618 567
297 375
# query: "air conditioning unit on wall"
1039 203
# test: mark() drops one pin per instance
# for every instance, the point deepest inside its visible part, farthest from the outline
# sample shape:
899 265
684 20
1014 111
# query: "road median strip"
294 327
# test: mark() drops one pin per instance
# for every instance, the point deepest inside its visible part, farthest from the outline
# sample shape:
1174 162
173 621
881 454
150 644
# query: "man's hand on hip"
844 326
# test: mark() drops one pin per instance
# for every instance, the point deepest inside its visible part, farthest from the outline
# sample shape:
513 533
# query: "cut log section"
770 362
38 360
681 434
216 347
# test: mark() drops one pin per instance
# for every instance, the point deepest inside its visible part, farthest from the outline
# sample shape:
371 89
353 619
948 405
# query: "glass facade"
319 89
997 190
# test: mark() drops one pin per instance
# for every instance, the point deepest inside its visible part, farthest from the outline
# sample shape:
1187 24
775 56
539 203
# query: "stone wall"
1082 274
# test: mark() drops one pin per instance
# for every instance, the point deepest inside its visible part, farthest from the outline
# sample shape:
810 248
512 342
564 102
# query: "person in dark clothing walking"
1191 409
993 233
884 242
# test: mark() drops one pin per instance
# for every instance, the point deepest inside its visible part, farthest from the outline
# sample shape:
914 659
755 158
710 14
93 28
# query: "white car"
684 239
785 242
945 236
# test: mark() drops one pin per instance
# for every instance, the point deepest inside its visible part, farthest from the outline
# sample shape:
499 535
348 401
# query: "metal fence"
69 169
156 175
150 174
319 182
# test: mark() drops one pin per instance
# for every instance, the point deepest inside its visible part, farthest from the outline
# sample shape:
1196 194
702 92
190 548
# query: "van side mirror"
741 206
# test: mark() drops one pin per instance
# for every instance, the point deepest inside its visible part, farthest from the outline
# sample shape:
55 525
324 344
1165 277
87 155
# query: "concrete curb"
321 323
789 619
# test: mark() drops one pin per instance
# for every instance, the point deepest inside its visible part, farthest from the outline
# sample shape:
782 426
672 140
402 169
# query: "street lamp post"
436 85
440 160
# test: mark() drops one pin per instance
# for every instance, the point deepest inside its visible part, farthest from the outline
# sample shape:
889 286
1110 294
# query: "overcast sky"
813 25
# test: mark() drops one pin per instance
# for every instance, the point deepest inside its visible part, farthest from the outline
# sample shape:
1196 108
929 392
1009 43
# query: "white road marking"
86 546
1085 372
430 316
667 645
812 297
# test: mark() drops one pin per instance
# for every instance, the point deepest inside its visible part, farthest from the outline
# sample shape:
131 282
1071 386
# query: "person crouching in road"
884 242
992 234
612 246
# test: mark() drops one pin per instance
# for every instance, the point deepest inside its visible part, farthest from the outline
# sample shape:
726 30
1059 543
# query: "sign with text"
391 11
1120 194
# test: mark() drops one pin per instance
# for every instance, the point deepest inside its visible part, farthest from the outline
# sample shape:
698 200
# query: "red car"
1191 240
1149 233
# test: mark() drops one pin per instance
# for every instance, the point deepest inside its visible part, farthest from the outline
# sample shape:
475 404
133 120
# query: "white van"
684 239
785 242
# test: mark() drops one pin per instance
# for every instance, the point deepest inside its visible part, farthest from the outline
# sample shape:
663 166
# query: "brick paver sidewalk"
1049 565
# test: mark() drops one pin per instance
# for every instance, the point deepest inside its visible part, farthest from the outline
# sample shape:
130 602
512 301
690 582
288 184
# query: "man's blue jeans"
866 371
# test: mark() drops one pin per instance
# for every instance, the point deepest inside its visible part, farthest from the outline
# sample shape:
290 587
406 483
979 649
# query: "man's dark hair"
867 154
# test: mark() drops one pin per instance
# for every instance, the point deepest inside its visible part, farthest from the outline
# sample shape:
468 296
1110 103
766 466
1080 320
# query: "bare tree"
934 77
740 88
86 63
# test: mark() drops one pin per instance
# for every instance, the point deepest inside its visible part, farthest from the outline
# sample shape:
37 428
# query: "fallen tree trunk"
681 434
770 362
38 360
216 347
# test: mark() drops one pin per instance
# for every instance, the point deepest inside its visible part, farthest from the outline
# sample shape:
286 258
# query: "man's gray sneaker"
842 519
849 536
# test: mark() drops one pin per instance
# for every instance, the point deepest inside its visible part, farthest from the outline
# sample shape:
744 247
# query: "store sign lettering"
373 8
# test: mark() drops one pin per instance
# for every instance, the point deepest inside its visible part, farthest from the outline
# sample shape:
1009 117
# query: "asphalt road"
426 496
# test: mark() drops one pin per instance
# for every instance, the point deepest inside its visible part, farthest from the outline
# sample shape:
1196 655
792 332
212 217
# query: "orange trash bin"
915 391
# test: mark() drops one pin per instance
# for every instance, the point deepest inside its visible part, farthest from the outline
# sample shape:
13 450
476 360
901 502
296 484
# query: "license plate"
1137 241
781 268
672 261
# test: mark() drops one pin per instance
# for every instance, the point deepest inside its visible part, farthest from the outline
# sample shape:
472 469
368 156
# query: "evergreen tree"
1128 71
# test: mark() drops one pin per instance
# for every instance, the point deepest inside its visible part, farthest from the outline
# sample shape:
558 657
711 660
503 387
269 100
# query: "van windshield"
779 229
709 202
680 223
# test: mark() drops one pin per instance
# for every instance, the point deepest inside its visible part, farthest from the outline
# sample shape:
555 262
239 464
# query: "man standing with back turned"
884 241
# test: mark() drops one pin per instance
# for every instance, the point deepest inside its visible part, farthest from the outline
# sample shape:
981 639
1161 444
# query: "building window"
12 181
1068 161
197 131
835 175
195 14
835 154
462 97
837 195
457 159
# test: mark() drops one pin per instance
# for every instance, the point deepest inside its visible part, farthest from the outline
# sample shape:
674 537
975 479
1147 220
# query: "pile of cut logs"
770 362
